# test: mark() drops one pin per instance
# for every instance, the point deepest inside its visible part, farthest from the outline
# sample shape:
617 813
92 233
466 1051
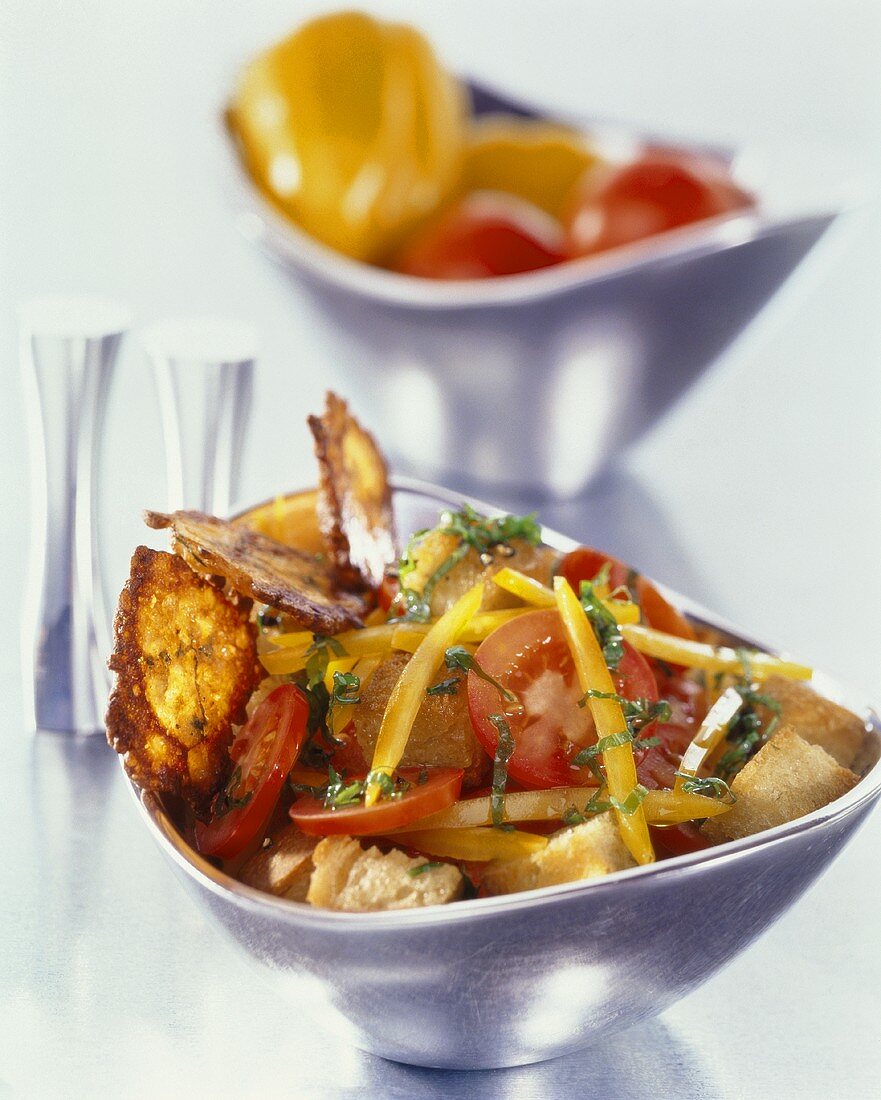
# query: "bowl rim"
262 221
205 874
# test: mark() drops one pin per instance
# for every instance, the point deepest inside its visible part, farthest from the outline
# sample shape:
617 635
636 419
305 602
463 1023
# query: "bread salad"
337 725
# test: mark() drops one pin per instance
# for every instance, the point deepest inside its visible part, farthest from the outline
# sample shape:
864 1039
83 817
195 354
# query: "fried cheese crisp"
354 497
290 580
185 660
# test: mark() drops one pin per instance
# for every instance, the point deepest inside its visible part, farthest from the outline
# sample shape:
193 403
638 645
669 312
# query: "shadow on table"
647 1059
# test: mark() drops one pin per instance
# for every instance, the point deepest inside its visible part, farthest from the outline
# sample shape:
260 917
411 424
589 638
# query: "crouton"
284 867
356 881
442 735
786 779
535 561
588 850
817 720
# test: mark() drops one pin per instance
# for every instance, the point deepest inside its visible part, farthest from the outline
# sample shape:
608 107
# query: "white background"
763 484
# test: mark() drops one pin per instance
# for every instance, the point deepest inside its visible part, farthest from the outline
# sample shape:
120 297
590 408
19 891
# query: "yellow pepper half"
353 129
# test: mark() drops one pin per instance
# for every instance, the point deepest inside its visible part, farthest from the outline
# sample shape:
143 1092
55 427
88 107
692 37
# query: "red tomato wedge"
266 749
439 790
529 656
487 234
584 563
662 190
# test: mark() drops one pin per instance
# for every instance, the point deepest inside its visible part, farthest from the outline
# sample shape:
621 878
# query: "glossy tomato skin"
584 563
678 840
662 190
437 792
487 234
529 655
266 749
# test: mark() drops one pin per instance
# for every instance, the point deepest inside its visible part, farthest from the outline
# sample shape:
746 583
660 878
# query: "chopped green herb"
504 750
457 656
604 625
748 732
340 793
475 532
597 805
226 800
710 787
323 649
589 757
638 713
346 686
632 802
449 686
422 868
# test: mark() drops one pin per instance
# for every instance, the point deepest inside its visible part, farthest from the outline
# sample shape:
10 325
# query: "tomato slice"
662 190
584 563
266 748
440 789
487 234
529 656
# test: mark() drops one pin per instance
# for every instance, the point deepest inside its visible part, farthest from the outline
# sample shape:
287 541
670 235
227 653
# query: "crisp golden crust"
186 663
290 580
354 498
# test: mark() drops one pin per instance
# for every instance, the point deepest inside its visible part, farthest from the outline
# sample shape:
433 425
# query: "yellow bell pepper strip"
682 651
593 674
408 637
660 807
472 844
674 807
291 654
536 594
712 730
408 693
524 588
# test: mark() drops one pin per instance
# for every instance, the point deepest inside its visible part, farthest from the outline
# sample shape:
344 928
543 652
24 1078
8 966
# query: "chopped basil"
449 686
226 801
318 656
474 532
422 868
604 625
340 793
748 732
710 787
346 686
504 750
638 713
457 656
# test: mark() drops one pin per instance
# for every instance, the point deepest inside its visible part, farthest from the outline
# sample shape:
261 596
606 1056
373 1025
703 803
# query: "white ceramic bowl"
535 382
510 980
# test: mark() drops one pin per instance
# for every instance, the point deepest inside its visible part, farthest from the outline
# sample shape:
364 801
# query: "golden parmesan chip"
354 498
186 662
300 584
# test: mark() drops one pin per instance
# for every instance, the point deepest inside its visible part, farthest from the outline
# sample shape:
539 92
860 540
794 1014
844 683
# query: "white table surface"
111 983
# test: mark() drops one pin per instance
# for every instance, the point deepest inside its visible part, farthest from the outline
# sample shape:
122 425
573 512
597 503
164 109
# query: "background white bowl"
532 384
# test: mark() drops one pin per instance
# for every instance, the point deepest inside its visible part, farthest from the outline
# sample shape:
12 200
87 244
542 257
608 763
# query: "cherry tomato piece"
678 840
529 656
486 234
662 190
584 563
266 748
440 789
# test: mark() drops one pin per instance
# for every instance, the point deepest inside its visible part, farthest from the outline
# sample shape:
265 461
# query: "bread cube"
442 734
817 720
584 851
356 881
786 779
284 867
